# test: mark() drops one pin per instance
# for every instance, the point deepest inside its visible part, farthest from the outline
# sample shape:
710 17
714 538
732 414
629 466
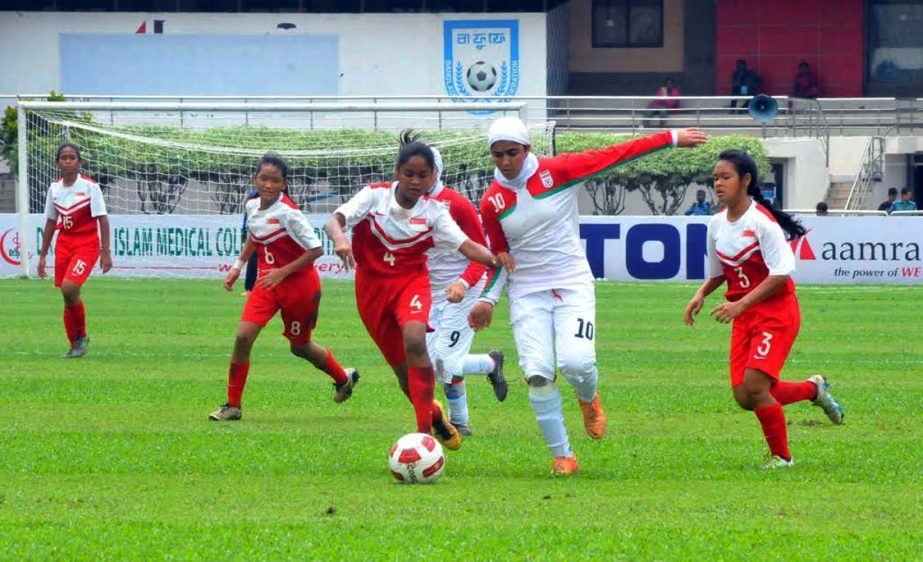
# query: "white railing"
870 169
796 117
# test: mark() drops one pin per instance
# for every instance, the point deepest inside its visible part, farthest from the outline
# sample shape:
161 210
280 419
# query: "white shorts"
559 323
452 336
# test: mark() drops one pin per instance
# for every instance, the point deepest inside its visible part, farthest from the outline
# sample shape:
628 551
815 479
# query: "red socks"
788 392
333 368
773 421
422 383
237 380
75 322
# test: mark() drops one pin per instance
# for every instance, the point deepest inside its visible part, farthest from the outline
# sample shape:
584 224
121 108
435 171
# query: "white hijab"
437 184
513 129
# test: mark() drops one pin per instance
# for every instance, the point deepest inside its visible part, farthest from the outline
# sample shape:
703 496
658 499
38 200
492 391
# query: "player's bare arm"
47 235
341 246
277 275
475 252
691 137
105 256
726 312
507 261
698 299
244 257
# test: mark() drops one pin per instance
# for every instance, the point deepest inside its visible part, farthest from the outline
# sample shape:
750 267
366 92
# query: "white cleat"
775 461
825 400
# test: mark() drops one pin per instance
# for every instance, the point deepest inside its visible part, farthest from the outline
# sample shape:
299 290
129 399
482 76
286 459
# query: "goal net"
184 171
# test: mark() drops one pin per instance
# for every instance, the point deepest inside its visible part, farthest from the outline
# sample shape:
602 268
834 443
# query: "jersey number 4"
389 257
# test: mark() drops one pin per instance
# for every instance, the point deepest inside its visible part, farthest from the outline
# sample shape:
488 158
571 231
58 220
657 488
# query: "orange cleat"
594 418
562 466
444 431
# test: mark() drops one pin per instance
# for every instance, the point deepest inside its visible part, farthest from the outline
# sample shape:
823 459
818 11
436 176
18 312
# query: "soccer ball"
482 76
417 458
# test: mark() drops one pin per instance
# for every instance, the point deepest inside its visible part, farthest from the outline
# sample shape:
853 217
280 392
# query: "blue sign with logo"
481 58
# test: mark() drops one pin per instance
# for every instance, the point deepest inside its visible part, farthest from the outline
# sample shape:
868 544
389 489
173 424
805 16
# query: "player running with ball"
286 281
394 225
747 248
530 212
456 284
76 210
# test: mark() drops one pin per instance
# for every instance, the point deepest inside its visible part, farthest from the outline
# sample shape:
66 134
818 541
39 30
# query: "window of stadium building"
627 23
895 46
315 6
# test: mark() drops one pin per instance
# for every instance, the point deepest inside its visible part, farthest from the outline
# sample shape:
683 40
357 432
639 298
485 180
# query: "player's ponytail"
273 159
411 146
744 165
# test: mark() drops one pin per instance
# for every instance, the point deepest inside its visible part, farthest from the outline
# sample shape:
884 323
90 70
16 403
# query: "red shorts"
386 305
298 297
74 259
762 337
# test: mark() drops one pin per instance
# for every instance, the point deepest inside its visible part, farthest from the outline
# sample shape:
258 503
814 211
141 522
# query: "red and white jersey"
281 233
75 207
390 240
445 266
538 223
748 250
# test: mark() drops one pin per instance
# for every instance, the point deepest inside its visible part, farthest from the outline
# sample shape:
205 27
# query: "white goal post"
189 164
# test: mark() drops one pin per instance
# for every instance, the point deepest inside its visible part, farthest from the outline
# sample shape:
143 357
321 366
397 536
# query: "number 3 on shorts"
763 349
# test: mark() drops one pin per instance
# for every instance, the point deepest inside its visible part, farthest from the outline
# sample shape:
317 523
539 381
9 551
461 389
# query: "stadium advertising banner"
836 250
162 245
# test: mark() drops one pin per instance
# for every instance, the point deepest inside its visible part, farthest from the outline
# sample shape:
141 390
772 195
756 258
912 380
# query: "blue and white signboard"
481 58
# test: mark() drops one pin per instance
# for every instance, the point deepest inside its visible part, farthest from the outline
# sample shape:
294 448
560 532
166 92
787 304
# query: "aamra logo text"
481 58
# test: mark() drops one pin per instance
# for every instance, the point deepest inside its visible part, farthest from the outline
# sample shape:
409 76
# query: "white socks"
546 402
586 388
457 402
480 364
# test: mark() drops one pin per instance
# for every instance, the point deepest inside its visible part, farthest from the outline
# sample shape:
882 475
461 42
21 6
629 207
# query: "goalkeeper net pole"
162 166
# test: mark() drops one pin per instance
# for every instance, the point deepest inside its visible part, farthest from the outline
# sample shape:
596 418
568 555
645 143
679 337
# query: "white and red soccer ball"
417 458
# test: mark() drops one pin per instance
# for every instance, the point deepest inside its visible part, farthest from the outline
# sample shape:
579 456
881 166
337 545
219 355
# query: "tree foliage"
163 161
662 178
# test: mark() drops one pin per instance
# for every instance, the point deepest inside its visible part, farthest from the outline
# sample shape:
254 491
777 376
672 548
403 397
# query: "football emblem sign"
481 58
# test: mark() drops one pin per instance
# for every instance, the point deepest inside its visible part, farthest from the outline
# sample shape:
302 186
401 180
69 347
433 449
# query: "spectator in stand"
821 209
744 82
662 107
906 203
892 197
701 207
805 84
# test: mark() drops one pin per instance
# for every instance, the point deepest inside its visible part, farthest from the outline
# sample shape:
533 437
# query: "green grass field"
111 456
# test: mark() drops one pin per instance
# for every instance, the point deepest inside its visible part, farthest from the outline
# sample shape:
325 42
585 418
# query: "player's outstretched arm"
698 300
690 138
47 235
341 245
105 256
476 252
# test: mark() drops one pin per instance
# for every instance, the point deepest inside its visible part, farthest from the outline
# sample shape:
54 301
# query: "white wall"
806 178
378 53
